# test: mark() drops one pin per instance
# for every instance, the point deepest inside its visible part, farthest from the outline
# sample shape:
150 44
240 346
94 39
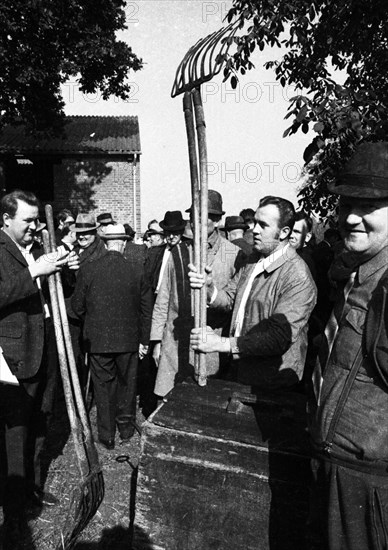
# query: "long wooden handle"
67 389
195 196
203 176
79 401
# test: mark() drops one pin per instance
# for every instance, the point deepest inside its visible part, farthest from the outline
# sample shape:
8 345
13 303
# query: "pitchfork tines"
203 60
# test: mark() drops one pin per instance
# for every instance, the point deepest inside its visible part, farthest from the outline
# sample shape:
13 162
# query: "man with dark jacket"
349 421
115 302
24 329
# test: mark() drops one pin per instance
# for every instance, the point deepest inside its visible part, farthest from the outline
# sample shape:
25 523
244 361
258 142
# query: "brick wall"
100 185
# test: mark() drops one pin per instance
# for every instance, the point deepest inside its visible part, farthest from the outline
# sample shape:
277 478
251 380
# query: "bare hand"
197 280
207 341
73 261
156 353
47 264
143 351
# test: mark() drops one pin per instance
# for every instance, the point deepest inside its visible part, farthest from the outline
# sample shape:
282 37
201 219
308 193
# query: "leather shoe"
109 444
40 498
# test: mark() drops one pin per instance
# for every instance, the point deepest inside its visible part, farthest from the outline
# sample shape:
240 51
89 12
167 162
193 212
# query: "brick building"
94 166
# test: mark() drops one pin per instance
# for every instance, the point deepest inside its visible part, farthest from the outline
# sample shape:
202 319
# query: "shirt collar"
277 258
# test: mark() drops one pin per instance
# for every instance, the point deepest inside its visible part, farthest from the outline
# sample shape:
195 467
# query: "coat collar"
11 247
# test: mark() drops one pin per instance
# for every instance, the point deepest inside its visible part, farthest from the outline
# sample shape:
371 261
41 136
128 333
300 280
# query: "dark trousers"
114 383
24 412
349 509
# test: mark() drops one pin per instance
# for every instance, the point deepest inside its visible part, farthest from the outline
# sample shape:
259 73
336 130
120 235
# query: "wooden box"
210 479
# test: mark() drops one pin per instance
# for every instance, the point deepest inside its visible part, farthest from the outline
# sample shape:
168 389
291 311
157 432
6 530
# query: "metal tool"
88 495
201 63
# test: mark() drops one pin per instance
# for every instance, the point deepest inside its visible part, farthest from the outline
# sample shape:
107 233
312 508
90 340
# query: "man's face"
172 238
363 225
22 227
213 222
266 233
156 239
300 236
86 238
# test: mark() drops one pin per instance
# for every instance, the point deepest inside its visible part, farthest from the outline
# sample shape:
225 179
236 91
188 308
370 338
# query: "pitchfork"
88 495
201 63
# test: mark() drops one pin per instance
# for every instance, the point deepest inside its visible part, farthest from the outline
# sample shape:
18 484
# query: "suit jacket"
153 263
273 341
21 312
115 302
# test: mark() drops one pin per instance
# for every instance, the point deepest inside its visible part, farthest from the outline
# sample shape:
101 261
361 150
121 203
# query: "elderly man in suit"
114 300
24 330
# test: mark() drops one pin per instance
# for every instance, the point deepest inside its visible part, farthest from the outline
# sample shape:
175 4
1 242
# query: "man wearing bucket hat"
172 315
349 425
114 300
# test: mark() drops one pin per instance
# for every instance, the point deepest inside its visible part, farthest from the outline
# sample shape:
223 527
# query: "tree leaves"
323 36
44 42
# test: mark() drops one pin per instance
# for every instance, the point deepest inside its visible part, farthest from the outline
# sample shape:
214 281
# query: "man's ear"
308 237
6 218
285 233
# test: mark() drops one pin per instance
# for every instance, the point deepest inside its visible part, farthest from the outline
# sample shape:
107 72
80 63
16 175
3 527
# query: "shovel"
88 495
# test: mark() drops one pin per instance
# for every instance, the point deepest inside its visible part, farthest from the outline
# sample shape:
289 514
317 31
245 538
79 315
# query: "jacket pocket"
11 330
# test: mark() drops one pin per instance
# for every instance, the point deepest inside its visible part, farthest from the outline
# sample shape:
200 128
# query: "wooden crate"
215 480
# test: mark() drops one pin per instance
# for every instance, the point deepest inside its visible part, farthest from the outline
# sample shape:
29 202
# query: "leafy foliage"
44 42
319 37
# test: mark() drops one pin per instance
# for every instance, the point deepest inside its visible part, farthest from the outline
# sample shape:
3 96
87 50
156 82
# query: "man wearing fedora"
103 221
89 245
235 227
349 425
115 303
172 317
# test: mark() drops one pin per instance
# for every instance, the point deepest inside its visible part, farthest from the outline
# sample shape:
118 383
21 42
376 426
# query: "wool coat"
21 312
113 298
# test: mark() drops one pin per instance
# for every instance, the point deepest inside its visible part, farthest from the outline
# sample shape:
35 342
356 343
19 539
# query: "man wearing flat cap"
115 303
349 424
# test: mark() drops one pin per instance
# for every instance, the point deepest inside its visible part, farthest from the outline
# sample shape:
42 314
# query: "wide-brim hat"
105 218
115 232
84 223
155 230
365 175
214 203
173 221
234 222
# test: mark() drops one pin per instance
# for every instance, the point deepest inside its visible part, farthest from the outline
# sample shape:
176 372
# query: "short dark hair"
248 215
302 215
63 214
9 203
285 207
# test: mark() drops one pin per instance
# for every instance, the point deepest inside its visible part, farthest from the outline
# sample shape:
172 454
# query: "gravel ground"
110 527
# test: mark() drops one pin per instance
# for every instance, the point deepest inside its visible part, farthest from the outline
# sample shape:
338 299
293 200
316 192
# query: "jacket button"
20 363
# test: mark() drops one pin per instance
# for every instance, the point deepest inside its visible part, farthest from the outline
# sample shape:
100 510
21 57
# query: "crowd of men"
283 312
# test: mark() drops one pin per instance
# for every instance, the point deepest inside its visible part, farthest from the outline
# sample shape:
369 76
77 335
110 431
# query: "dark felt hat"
214 203
173 221
84 223
365 175
105 218
234 222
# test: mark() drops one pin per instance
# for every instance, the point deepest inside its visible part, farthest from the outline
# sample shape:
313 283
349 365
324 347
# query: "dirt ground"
110 527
